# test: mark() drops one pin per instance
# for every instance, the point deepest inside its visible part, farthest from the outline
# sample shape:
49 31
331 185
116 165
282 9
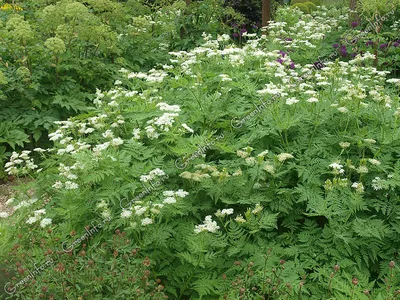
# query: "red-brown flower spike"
336 268
354 281
366 292
392 264
282 261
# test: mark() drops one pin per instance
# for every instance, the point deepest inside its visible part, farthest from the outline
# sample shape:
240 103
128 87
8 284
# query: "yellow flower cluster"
8 6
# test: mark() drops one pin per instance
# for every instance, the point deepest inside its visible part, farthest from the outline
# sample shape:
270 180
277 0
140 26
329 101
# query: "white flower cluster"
38 217
224 212
20 163
208 225
152 76
337 168
171 196
152 175
23 203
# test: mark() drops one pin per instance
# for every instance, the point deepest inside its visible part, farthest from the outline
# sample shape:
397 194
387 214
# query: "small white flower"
370 141
358 186
45 222
126 213
136 133
187 128
139 210
147 221
362 169
284 156
169 193
31 220
208 225
39 212
336 166
262 154
291 101
117 141
343 109
257 209
181 193
3 215
169 200
69 185
374 161
227 211
165 107
312 100
344 145
240 219
108 134
57 185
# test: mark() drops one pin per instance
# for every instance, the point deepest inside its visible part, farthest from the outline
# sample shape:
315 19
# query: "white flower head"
187 128
45 222
126 213
208 225
291 101
284 156
181 193
147 221
169 200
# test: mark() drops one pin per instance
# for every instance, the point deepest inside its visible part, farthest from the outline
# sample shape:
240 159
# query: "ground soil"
7 191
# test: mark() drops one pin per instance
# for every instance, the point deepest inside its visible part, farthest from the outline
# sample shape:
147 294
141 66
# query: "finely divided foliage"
271 210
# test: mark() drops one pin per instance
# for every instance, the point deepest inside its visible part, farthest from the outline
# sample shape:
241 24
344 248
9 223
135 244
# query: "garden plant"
268 169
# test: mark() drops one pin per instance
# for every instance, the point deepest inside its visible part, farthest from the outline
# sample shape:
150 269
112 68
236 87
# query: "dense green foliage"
54 54
265 170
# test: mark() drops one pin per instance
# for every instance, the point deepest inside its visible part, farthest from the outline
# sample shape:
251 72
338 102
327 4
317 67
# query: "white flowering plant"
299 201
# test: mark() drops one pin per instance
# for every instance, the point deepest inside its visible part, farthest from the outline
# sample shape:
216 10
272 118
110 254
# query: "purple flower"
288 39
292 65
283 53
335 45
353 54
383 46
369 43
343 51
354 24
235 34
280 60
396 44
318 65
243 30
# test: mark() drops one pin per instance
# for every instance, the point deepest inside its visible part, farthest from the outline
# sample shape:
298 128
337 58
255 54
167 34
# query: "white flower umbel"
32 220
147 221
45 222
152 175
291 101
208 225
169 200
224 212
284 156
337 168
165 107
181 193
136 133
126 213
184 125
